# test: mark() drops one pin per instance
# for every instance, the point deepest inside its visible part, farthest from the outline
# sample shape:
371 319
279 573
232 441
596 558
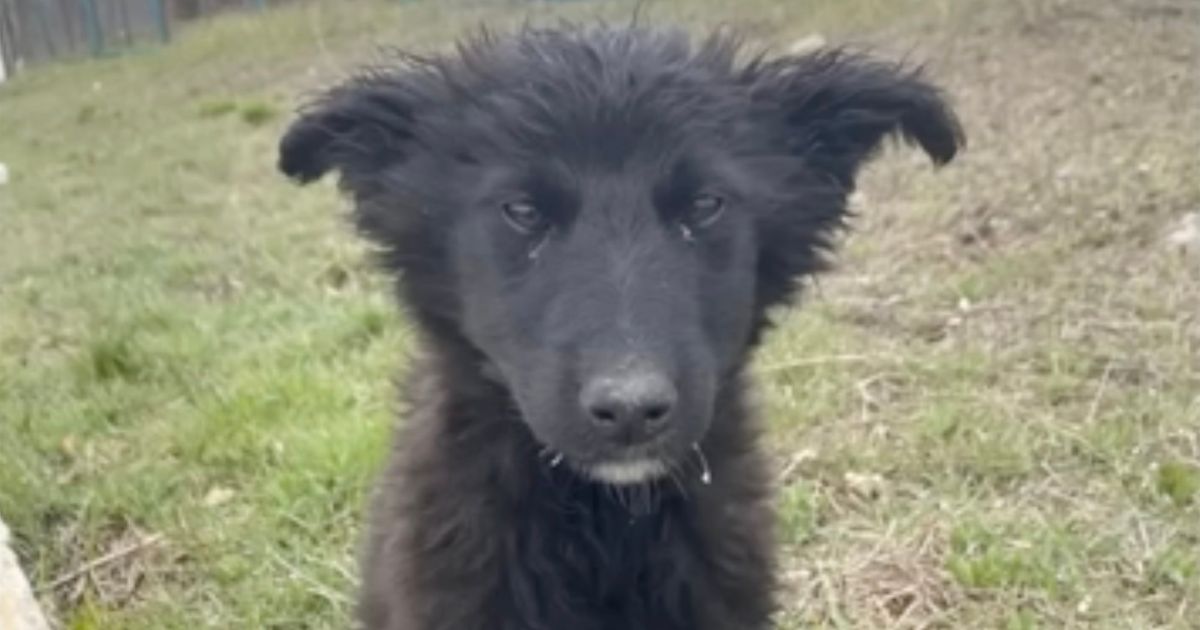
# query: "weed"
256 114
1179 482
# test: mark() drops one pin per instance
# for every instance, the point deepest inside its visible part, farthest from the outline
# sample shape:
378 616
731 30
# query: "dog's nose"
631 404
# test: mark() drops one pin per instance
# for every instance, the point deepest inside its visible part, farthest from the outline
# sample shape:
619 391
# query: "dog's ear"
837 107
358 128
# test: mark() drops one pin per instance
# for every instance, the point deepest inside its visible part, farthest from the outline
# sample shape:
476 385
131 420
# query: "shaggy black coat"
477 523
471 529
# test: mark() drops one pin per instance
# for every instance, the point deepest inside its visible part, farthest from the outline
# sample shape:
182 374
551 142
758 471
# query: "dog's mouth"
637 467
628 471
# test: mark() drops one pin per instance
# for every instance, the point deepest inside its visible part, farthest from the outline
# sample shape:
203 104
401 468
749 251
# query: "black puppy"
589 226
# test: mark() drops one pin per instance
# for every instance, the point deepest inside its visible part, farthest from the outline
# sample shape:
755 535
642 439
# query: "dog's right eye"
705 210
523 216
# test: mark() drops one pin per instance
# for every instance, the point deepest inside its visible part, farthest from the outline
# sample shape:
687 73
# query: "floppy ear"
837 107
357 128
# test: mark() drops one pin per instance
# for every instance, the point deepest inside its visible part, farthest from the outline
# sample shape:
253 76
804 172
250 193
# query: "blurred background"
988 415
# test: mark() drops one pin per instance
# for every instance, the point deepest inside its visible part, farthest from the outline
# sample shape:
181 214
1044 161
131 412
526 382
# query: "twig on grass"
1095 406
87 568
833 359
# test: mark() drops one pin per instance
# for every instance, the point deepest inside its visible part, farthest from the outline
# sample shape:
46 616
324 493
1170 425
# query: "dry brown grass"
1030 343
988 416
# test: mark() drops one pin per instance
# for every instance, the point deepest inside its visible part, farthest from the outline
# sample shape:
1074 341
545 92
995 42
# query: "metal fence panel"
35 31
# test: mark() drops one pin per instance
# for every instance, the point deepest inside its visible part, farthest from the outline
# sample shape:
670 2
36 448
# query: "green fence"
34 31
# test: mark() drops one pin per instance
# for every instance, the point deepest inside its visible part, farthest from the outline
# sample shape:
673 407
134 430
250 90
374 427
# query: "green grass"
256 114
987 417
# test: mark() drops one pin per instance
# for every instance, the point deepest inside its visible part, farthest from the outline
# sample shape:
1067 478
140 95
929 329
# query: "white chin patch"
627 473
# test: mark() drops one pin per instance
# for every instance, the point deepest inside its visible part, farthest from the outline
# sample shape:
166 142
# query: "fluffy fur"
581 210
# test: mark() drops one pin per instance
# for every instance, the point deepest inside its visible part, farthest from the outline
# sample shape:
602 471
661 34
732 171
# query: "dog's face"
606 215
611 282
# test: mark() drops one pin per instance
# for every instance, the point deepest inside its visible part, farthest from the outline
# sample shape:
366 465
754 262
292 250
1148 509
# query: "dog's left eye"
523 215
705 210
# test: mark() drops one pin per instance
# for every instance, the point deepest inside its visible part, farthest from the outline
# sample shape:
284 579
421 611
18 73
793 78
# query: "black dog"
589 226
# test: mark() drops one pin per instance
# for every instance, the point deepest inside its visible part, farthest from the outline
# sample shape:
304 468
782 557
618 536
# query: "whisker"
675 475
705 473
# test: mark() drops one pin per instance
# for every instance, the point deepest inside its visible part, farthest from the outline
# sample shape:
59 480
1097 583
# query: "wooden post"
48 36
3 41
126 25
68 19
95 33
8 42
158 11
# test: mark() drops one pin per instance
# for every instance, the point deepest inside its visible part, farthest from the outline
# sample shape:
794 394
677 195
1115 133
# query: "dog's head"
605 215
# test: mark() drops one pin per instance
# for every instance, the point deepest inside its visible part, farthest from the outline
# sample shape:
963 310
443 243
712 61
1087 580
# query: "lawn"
988 415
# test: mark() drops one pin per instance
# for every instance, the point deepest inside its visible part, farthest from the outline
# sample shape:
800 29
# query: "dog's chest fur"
473 530
612 557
